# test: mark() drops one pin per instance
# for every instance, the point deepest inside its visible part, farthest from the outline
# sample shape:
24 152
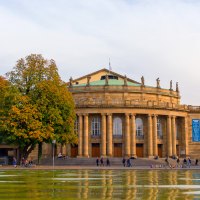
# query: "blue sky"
150 38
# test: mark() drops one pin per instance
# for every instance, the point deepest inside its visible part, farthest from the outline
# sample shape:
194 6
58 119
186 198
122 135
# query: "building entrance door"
95 150
139 150
117 149
160 150
74 151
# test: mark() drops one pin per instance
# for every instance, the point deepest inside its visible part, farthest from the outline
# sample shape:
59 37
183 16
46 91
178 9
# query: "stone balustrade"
81 103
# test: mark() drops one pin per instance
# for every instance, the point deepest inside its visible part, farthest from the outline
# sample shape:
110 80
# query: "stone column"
173 135
169 136
133 136
85 149
109 136
150 149
80 135
127 135
103 135
155 136
186 136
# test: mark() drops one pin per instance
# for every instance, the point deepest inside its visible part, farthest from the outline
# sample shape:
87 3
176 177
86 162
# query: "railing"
150 90
132 103
117 136
140 137
194 108
95 136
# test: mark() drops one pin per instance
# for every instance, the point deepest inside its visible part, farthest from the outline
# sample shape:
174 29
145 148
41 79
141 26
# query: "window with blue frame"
196 130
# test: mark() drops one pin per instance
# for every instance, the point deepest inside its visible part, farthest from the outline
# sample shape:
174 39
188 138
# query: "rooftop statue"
125 80
158 82
177 89
142 80
88 80
70 81
106 79
171 85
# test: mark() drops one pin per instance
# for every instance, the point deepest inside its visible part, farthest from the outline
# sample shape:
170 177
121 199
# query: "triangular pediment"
96 76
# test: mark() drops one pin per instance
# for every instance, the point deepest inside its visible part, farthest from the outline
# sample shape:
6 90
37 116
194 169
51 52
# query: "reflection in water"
100 184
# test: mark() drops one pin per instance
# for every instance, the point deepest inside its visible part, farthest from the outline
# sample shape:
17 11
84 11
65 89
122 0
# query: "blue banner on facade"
196 130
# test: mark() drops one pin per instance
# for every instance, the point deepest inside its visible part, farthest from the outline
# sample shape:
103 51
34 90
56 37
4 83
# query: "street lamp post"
53 142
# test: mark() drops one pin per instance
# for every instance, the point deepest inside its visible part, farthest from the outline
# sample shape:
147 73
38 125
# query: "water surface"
100 184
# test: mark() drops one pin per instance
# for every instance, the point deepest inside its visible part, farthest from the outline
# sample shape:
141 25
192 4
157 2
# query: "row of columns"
130 135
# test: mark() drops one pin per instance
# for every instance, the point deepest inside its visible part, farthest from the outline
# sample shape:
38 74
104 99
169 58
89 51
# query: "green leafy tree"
43 109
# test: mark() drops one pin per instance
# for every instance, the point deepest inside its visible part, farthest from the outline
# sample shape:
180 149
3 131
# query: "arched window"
159 129
117 126
96 124
139 128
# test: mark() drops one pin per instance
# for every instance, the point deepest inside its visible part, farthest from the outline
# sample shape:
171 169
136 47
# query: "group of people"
126 163
100 161
185 164
23 163
26 163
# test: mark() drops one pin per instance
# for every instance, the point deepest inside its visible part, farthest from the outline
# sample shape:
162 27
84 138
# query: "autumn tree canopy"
43 108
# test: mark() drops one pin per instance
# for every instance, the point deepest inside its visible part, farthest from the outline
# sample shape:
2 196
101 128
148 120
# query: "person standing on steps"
101 161
124 162
97 161
107 162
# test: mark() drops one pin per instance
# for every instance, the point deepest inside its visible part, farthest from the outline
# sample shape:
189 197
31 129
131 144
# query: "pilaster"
109 138
133 136
150 149
155 134
80 135
173 136
127 135
103 135
169 136
86 135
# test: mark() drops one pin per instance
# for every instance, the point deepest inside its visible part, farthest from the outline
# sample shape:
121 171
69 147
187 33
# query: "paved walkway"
45 167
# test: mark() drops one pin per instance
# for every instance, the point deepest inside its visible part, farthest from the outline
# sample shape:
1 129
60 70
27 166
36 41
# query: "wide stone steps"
92 162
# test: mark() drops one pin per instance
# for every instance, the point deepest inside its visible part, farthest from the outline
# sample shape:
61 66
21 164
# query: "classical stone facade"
117 116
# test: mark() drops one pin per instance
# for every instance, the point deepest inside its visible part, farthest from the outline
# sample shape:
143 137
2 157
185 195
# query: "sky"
150 38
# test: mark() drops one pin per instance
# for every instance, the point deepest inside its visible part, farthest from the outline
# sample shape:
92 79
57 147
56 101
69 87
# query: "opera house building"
118 116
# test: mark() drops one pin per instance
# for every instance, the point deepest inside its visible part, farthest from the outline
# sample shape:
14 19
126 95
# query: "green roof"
112 82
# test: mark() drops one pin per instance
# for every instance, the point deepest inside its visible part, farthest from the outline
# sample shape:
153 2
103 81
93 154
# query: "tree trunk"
24 152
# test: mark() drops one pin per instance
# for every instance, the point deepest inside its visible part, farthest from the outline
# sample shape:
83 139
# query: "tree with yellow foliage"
43 110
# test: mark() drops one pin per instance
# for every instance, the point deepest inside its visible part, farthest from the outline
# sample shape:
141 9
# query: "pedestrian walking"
14 162
107 162
124 162
178 161
101 161
97 161
128 163
196 162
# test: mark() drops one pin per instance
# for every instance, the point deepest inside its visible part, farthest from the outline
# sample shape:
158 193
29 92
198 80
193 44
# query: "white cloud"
142 37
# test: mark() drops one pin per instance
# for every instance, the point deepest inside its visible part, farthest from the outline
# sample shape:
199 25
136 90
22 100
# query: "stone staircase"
92 162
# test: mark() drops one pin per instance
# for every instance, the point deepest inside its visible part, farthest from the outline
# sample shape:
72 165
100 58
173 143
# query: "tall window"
117 126
159 129
96 124
76 125
177 130
139 128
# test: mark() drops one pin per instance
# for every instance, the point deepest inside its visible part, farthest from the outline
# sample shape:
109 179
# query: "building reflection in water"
133 184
